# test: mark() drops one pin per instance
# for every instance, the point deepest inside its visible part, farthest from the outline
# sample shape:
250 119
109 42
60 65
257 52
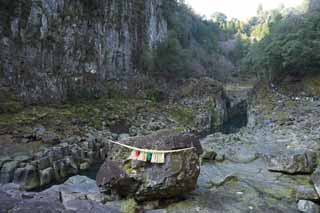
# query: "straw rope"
150 150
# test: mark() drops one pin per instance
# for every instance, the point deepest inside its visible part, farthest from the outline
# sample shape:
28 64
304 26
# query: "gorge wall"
52 49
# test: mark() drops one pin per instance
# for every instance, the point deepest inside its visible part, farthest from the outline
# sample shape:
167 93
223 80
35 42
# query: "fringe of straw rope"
150 150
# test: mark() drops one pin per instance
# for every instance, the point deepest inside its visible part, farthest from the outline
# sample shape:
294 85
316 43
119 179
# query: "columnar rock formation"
52 49
52 165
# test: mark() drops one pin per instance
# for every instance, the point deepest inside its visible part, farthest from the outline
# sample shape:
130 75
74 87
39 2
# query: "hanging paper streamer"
142 156
153 156
157 158
149 156
133 156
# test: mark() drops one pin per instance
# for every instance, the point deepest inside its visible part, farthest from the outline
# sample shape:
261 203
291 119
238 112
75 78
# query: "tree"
260 10
292 47
220 19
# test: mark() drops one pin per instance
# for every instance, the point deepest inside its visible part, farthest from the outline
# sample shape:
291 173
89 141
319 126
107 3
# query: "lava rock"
315 177
27 177
209 154
307 193
50 138
308 206
147 181
64 168
292 162
7 170
46 176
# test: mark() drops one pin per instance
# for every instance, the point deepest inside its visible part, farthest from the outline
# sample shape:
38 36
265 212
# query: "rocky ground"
268 166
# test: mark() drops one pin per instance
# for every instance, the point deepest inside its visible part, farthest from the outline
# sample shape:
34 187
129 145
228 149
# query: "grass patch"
182 115
129 206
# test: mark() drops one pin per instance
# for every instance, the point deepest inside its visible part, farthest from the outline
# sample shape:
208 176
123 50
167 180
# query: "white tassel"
142 156
157 158
133 156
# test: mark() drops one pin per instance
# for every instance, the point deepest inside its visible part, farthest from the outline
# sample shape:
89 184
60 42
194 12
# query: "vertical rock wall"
52 49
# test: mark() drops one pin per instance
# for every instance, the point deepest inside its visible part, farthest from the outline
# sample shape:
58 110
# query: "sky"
241 9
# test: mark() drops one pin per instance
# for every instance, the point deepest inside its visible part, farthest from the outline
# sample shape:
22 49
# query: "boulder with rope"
158 166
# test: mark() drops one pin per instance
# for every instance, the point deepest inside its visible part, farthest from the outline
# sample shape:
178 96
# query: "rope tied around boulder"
149 155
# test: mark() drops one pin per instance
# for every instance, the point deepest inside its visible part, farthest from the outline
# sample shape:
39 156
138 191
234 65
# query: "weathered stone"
308 206
97 197
80 184
103 153
123 136
147 181
55 154
4 160
44 163
23 158
66 149
64 168
27 177
7 170
155 126
208 101
292 162
307 193
315 177
38 205
50 138
69 196
77 154
88 206
220 157
84 166
93 156
7 202
208 155
46 176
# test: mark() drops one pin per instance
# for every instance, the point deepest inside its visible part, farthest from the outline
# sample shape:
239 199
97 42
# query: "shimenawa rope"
150 150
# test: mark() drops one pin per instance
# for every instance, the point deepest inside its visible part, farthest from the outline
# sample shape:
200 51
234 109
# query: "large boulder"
147 181
292 162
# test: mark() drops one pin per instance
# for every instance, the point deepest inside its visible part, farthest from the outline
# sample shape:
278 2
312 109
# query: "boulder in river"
148 181
292 162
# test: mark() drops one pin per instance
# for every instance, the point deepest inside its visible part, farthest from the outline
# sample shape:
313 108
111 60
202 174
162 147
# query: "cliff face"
52 49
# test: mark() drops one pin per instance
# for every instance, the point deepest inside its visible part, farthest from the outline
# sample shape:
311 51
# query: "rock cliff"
52 49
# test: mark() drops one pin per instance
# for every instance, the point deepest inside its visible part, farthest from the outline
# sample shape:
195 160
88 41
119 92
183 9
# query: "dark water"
237 118
120 127
235 124
92 171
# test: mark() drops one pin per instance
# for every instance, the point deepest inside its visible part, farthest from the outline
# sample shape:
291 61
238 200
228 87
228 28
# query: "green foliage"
171 60
293 46
129 206
192 43
183 115
219 18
